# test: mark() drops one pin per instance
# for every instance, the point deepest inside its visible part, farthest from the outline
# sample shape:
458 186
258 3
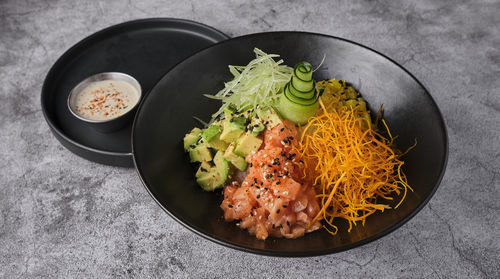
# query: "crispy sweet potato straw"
351 165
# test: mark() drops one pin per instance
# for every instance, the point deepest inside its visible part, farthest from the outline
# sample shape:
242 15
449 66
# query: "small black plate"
144 49
162 120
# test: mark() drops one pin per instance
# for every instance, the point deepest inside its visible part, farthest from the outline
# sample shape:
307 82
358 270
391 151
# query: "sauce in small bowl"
105 101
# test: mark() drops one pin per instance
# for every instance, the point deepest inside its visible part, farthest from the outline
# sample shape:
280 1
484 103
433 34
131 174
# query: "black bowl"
166 114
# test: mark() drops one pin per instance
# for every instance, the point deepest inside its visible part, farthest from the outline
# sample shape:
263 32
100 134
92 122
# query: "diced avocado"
246 144
256 126
237 161
270 117
204 168
256 130
233 128
192 138
218 144
216 176
209 133
200 153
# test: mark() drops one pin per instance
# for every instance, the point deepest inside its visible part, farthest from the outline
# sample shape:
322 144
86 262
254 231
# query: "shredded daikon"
258 83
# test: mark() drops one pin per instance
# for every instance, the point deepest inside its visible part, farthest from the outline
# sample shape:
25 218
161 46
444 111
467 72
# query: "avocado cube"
270 117
200 153
192 138
237 161
246 144
257 126
256 130
209 133
204 168
216 176
232 129
218 144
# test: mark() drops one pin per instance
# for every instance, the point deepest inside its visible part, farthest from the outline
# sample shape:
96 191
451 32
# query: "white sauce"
107 99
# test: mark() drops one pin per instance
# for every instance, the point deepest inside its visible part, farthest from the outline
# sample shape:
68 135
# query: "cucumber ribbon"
299 100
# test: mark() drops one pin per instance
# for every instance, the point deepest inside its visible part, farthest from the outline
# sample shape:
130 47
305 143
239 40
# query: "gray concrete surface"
62 216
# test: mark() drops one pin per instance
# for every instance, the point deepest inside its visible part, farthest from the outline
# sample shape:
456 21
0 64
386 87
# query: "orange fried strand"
351 165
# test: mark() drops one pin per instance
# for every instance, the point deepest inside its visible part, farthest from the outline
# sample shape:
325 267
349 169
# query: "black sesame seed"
284 206
255 180
288 223
278 182
251 213
230 206
258 196
282 129
278 197
281 226
278 211
274 226
251 164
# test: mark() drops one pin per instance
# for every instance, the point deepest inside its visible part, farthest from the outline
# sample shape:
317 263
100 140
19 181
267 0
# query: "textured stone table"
62 216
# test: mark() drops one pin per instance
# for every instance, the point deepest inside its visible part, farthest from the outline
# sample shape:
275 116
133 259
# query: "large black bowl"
166 114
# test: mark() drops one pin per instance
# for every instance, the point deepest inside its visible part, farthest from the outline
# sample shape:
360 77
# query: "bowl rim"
326 251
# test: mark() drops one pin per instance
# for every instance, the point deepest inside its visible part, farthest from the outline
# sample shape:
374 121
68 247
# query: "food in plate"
106 99
292 154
